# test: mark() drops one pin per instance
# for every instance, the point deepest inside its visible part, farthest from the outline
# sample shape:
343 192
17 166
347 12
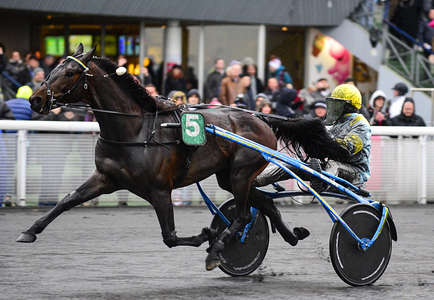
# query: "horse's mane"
127 84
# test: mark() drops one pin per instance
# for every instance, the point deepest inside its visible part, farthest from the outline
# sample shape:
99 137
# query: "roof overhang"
268 12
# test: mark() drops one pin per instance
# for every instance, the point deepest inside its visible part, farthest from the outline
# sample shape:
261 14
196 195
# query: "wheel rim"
239 259
351 263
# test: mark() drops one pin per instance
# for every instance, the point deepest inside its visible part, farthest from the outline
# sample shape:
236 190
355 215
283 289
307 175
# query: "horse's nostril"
35 100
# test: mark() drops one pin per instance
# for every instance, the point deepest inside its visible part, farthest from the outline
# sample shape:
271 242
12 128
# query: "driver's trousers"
273 173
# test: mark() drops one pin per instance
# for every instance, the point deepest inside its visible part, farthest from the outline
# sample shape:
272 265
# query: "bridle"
53 102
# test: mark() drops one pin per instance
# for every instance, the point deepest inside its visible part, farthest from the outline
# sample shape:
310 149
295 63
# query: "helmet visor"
335 109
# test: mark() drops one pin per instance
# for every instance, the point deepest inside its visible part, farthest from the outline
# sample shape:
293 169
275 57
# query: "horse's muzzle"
36 103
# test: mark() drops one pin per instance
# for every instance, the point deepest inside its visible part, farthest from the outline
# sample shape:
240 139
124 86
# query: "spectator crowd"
236 85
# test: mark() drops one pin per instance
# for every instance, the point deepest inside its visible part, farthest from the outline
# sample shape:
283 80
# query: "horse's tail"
311 135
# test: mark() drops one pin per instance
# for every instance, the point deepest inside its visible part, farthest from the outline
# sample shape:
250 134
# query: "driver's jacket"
353 132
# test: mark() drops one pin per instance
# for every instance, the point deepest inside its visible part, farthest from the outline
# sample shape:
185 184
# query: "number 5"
192 126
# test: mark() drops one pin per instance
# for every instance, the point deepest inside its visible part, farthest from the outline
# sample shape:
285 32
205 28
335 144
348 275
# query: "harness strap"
88 107
142 144
85 68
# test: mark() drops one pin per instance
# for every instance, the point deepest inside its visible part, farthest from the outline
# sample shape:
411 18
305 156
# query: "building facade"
190 33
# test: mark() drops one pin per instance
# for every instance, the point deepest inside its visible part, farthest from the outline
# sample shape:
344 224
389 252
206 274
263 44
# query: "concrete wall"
15 33
387 78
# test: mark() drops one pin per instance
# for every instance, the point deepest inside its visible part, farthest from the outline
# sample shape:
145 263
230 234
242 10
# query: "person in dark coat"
6 86
48 64
213 81
175 81
407 17
37 80
408 116
17 71
318 110
5 112
285 101
256 85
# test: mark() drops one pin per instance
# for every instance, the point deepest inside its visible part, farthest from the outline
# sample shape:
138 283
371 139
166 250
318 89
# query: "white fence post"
421 199
21 167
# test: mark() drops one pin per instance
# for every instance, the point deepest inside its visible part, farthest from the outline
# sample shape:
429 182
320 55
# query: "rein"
255 113
89 108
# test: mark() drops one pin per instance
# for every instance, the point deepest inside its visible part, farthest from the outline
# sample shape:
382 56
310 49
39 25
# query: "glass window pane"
230 42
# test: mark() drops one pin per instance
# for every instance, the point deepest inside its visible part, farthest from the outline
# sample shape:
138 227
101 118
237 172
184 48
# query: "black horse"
135 153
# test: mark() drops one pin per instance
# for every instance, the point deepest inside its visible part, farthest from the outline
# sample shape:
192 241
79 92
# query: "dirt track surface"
119 254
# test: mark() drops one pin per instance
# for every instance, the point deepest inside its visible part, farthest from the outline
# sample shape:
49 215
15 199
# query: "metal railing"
408 61
428 91
37 165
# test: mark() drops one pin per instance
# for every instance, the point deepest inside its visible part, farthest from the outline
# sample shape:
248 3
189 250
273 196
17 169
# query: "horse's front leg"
162 203
96 185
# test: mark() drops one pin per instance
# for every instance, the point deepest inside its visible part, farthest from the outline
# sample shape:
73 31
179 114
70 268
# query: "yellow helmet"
24 92
342 94
348 93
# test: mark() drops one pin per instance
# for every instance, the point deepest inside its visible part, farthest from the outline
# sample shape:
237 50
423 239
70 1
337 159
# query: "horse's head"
65 83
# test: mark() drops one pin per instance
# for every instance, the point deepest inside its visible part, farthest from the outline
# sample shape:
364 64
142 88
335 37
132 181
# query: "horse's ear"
79 50
87 56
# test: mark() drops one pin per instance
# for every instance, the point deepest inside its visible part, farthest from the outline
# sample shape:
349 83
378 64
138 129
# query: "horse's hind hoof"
301 233
26 237
212 262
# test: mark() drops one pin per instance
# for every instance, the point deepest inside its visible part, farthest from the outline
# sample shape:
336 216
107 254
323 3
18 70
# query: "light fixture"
284 28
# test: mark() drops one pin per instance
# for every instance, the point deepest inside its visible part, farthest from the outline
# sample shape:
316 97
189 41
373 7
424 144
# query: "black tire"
353 265
240 259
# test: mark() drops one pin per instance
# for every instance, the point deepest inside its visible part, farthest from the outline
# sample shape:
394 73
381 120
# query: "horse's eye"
69 74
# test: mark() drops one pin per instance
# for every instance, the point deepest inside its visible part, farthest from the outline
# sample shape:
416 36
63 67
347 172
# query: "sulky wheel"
239 259
353 265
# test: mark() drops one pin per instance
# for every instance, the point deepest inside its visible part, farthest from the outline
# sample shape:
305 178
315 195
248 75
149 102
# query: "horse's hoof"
209 233
212 262
301 233
26 237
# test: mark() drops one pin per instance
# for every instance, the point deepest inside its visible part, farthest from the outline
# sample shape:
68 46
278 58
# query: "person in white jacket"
378 114
399 91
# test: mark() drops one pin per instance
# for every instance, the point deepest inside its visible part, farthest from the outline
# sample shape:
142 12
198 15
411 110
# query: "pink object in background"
341 69
215 101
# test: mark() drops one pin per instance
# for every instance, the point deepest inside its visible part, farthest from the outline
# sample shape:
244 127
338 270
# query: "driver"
350 129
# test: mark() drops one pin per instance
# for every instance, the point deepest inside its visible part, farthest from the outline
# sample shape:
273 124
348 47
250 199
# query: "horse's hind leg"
240 179
266 205
96 185
162 203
